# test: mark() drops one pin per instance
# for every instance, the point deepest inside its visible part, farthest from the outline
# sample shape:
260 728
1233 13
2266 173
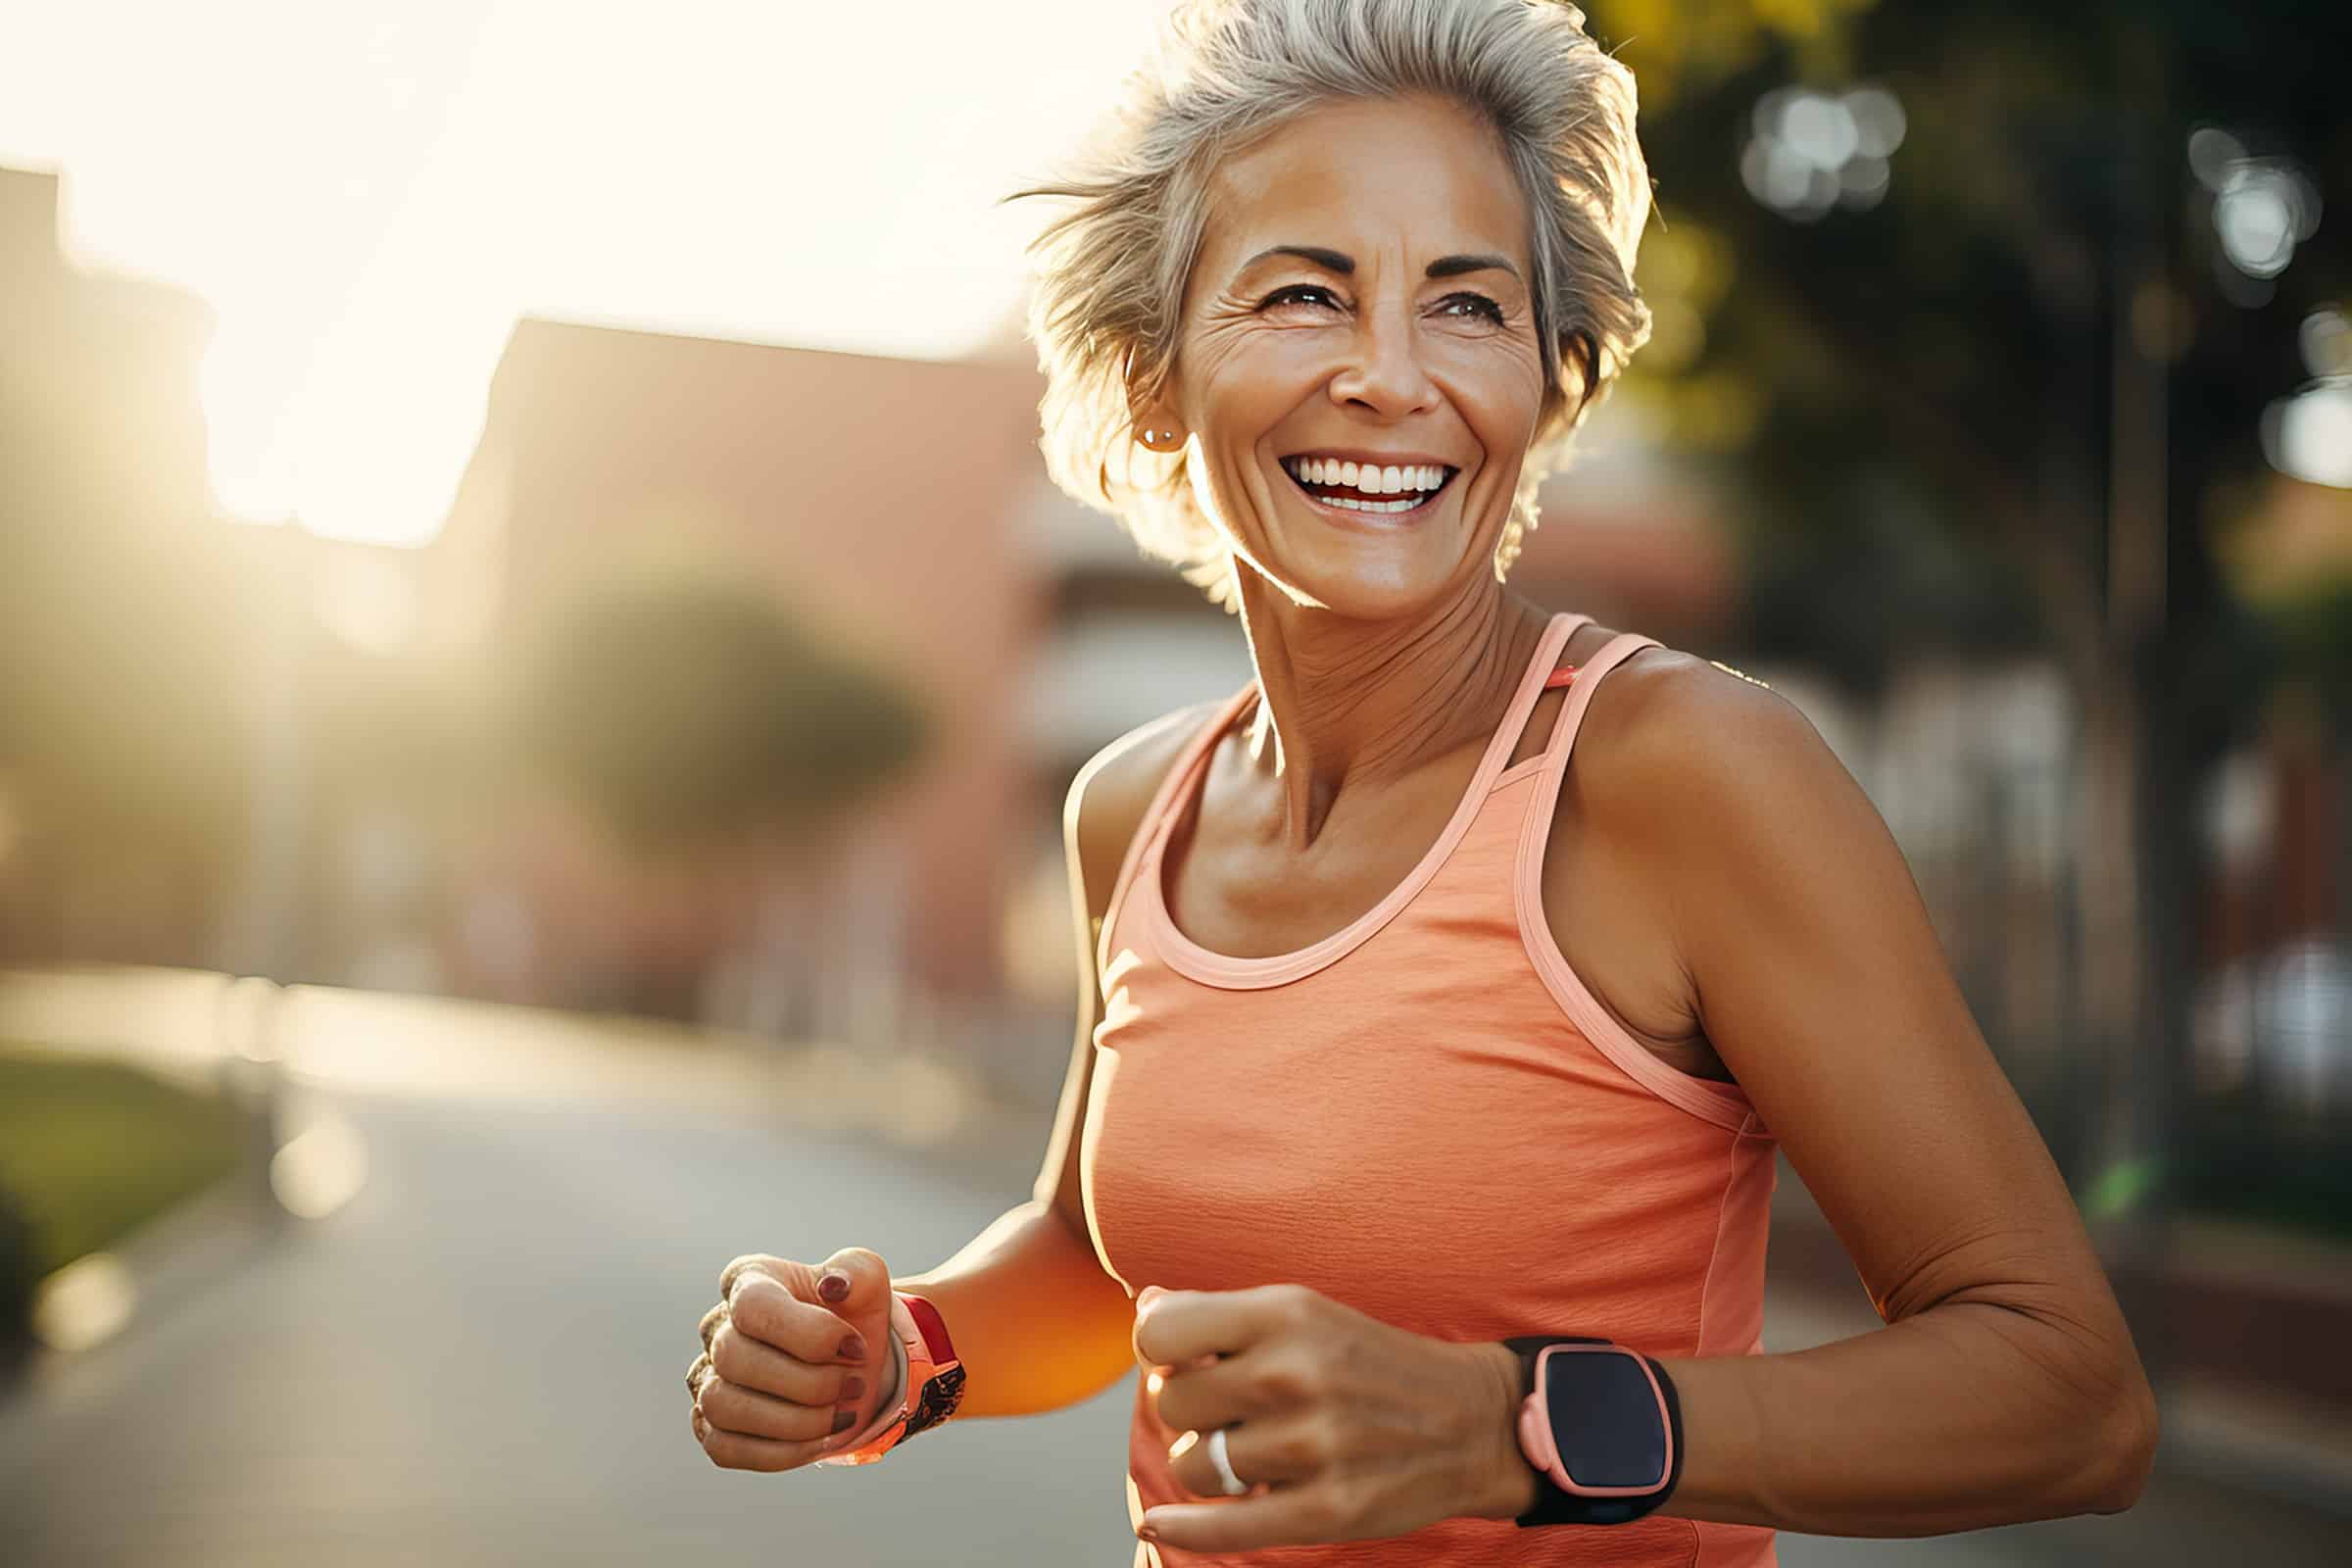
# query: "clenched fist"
797 1358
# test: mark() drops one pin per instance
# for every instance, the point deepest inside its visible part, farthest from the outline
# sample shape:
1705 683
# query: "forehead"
1419 175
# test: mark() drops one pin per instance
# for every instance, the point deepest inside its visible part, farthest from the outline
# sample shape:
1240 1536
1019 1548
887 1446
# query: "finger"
766 1311
712 1320
732 1450
1176 1326
782 1268
854 1282
1219 1391
1264 1456
1288 1516
754 1414
695 1372
868 1288
750 1363
697 1424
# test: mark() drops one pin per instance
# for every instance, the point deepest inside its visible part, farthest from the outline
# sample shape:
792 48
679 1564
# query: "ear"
1158 427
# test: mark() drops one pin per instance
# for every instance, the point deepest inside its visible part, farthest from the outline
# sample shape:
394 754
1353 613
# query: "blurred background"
539 670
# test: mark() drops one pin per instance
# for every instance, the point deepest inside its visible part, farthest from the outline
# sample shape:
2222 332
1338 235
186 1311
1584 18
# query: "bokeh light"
1810 151
2263 208
2309 436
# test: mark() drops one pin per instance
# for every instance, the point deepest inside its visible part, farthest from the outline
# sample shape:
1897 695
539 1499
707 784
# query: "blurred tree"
686 708
2000 383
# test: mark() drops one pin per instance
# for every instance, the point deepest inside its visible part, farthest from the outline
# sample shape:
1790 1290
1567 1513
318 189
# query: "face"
1357 367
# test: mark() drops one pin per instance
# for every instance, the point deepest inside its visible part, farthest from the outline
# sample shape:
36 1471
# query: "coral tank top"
1428 1117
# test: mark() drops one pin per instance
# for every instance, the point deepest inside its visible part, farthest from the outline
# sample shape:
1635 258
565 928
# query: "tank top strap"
1148 831
1177 784
1571 717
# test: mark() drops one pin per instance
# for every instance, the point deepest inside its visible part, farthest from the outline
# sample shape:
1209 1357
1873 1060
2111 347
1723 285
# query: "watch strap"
930 1383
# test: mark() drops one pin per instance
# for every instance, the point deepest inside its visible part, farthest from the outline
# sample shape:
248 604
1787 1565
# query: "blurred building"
874 498
116 800
903 506
345 834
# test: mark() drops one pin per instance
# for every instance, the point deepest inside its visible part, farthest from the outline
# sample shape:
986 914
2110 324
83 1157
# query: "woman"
1423 1146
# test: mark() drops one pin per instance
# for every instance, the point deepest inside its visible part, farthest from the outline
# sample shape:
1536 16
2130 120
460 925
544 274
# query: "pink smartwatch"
930 1382
1602 1427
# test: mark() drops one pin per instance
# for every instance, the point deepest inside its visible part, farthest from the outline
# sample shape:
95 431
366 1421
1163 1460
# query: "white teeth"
1370 479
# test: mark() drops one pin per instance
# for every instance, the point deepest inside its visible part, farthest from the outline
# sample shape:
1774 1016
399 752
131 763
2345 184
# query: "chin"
1368 595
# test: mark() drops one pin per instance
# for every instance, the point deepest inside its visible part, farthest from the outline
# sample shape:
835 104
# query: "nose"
1383 374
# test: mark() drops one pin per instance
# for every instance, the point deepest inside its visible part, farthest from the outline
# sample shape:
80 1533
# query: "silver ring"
1234 1485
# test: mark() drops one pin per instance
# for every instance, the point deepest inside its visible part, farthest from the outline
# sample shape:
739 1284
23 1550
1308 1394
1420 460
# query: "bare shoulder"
1668 729
1111 793
1741 818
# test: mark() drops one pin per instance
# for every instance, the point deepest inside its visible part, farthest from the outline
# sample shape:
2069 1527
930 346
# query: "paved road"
479 1361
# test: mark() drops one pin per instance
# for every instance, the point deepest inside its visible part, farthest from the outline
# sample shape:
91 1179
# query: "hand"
796 1359
1349 1429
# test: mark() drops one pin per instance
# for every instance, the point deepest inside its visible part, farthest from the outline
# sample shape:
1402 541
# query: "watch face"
1606 1420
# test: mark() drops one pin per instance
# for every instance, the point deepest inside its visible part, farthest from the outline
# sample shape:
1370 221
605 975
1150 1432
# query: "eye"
1467 306
1311 294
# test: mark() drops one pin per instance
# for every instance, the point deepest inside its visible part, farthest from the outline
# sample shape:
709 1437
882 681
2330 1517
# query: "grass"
90 1149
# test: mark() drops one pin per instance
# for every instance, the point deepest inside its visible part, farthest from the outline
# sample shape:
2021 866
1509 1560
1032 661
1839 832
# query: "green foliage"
91 1150
2315 628
686 707
1960 341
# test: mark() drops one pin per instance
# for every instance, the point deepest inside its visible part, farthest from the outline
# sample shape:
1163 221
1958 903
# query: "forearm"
1036 1322
1961 1417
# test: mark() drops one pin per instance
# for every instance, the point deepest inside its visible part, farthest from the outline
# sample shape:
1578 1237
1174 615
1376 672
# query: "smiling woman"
1450 990
1116 272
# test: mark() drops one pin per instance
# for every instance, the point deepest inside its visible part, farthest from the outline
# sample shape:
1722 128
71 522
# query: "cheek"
1499 393
1250 379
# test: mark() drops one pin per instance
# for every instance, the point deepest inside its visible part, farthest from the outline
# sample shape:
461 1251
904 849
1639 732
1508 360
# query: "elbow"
2126 1455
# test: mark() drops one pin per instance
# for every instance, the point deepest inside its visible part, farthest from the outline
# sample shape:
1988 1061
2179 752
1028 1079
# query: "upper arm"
1820 981
1100 817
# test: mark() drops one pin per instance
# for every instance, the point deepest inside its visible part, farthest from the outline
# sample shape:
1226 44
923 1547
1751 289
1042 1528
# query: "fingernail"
852 1349
842 1419
1147 1295
852 1386
1148 1532
833 1287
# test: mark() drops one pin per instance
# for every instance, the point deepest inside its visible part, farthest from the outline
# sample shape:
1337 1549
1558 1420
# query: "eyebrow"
1329 261
1456 266
1341 262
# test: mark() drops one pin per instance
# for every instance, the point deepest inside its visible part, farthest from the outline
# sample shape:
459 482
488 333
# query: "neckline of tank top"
1211 967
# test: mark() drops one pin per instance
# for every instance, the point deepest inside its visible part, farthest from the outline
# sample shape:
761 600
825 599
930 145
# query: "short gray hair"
1111 271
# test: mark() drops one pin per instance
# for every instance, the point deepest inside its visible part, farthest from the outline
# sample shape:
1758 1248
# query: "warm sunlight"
368 202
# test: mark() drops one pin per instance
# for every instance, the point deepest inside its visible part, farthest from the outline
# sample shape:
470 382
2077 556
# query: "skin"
1764 927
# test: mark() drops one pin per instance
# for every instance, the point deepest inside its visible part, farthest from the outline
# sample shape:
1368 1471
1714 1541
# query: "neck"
1348 702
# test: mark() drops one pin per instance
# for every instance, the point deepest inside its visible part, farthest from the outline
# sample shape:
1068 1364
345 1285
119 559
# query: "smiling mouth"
1390 491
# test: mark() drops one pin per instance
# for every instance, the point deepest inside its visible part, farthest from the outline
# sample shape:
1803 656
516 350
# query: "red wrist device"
929 1392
